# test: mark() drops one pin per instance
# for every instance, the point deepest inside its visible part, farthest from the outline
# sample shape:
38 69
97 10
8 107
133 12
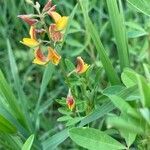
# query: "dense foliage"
93 93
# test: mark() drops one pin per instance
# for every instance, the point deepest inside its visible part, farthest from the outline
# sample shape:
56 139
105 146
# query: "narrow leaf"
27 145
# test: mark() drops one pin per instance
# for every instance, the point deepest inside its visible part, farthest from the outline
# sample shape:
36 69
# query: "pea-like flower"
55 35
60 21
81 66
31 42
70 101
52 57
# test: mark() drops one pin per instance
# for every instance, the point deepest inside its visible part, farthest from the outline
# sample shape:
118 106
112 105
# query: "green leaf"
7 94
53 141
73 121
69 23
123 106
27 145
119 31
135 30
129 136
64 118
6 126
146 70
97 113
19 90
70 66
94 139
129 77
145 112
47 76
144 88
141 5
110 71
127 123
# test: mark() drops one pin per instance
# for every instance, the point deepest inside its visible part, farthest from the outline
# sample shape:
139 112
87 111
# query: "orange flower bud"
28 19
81 66
70 101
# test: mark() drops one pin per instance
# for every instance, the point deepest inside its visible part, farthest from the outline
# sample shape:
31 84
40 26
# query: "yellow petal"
81 66
40 58
30 42
37 61
32 32
62 23
53 56
85 67
56 16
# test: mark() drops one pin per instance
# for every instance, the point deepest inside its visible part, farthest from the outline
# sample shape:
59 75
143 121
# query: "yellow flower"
30 42
81 66
41 59
53 56
61 21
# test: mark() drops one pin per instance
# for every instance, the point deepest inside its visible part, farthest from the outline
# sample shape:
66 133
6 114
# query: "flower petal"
30 42
53 56
36 61
55 35
56 16
81 66
40 58
32 32
62 23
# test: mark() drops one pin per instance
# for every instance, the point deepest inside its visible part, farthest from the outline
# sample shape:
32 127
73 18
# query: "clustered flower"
54 31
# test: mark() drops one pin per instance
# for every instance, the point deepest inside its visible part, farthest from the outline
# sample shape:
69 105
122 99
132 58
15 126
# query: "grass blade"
110 71
27 145
118 26
141 5
19 90
55 140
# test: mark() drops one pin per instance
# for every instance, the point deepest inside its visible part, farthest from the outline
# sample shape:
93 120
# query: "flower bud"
28 19
70 101
81 66
47 6
30 2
